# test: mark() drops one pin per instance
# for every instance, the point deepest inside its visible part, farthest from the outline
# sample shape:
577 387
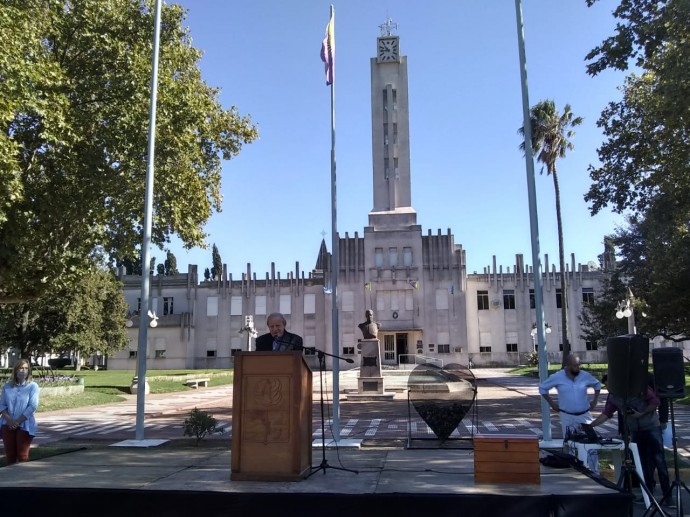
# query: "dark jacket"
288 341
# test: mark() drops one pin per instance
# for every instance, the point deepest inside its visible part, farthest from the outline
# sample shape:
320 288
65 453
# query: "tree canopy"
87 316
644 170
74 106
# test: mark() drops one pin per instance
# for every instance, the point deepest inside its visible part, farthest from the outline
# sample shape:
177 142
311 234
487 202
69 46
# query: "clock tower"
390 134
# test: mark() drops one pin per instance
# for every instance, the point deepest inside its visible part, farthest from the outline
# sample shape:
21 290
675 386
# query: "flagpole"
534 224
335 267
146 245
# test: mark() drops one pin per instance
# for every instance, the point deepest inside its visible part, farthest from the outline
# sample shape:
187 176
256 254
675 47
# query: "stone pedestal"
370 379
134 388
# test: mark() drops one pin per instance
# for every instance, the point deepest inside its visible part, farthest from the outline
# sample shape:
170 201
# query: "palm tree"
551 134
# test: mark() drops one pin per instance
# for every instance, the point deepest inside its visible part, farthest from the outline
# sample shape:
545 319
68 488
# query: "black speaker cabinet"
628 365
669 372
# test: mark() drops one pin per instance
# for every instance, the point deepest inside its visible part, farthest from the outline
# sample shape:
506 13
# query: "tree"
160 269
171 264
74 107
217 269
597 320
86 317
207 274
644 170
551 135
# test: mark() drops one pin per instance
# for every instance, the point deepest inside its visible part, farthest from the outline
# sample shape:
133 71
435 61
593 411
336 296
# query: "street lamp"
533 332
625 309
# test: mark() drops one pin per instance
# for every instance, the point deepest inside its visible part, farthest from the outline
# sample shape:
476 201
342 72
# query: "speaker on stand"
669 379
628 366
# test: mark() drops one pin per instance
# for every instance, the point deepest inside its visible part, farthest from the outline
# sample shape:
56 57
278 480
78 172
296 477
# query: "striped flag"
328 50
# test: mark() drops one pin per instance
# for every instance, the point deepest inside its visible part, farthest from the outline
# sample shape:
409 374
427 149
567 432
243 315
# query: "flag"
328 50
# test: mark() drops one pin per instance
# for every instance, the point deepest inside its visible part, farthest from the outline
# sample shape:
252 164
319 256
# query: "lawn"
598 370
109 386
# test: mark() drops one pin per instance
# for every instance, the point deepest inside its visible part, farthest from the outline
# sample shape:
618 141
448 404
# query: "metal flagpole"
534 223
146 245
335 265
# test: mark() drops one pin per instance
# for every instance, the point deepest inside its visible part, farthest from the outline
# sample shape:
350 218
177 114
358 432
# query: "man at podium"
278 339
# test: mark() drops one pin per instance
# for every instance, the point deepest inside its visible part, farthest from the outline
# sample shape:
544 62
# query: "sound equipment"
628 358
669 372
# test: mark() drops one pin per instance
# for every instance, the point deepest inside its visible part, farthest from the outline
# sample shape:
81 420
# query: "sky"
468 174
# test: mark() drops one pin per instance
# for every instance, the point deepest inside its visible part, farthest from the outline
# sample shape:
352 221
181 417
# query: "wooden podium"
271 417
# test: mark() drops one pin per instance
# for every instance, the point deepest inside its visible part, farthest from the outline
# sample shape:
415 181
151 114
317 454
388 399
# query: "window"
160 354
532 302
260 305
485 349
212 306
444 349
508 299
133 354
432 347
395 301
236 306
483 300
309 303
587 296
167 305
378 257
388 348
591 345
285 304
407 256
348 301
441 299
511 347
348 350
233 351
393 257
559 299
560 347
210 353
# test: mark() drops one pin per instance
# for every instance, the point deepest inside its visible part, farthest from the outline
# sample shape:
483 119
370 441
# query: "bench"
197 383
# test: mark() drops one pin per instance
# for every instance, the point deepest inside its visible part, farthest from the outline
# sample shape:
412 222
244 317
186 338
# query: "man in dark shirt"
643 425
278 339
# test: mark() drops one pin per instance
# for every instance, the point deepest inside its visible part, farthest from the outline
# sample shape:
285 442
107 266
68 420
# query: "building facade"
428 307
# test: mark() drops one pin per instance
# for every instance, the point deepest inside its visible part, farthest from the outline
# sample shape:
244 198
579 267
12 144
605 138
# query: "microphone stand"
322 366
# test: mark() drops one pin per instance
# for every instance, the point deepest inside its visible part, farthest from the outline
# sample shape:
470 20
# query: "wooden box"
506 459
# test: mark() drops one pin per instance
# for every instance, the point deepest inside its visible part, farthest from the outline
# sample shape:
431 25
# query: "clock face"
388 50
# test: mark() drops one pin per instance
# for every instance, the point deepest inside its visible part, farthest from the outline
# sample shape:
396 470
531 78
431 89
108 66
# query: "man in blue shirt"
573 406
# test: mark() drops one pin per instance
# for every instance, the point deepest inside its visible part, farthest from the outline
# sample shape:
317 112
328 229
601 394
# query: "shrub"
199 424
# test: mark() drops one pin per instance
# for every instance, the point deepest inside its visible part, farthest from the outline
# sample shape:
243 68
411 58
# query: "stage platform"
182 481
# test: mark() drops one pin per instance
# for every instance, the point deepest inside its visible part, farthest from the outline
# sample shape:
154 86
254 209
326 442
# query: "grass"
598 370
111 386
40 453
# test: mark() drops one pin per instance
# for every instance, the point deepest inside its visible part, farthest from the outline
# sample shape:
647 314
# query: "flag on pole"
328 51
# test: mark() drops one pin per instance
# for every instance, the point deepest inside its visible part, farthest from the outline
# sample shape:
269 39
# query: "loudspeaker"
669 372
628 365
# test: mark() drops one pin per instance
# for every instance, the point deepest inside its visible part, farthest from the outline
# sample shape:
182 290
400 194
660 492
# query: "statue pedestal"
370 379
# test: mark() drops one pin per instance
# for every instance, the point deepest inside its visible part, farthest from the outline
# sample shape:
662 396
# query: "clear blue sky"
465 108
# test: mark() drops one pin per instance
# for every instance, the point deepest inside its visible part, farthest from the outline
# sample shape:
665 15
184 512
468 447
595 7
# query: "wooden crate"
506 459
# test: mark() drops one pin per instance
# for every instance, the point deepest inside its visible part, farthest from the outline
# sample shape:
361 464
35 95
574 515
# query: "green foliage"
598 320
74 109
199 424
86 316
532 358
171 264
217 269
645 171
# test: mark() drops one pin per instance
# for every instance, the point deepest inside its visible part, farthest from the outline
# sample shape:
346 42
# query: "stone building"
416 282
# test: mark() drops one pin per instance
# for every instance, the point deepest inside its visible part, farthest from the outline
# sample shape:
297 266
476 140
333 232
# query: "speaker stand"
677 482
628 470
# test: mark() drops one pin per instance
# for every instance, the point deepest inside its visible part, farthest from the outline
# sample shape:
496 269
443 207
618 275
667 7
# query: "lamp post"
625 310
533 332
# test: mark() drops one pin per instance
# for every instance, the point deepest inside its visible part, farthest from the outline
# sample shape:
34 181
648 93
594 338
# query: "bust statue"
369 328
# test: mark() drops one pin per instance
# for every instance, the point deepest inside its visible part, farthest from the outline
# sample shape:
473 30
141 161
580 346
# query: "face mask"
21 375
